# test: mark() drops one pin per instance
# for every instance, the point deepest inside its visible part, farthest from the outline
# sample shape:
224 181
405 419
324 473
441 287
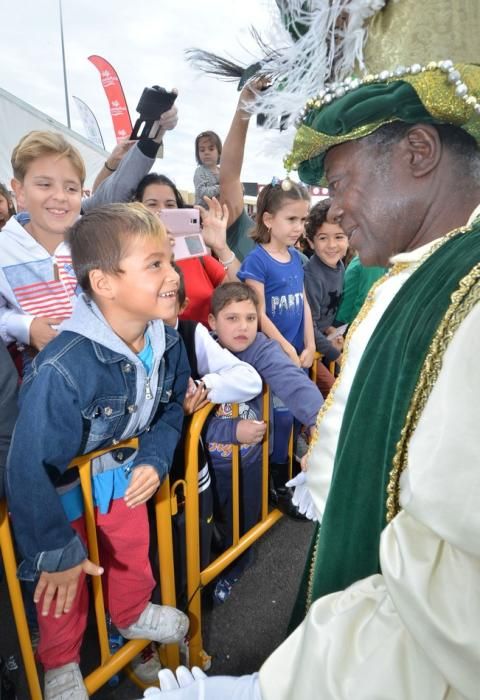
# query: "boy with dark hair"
234 318
324 275
114 372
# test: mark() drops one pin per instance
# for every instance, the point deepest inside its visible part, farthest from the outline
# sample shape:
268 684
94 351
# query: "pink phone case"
184 226
181 221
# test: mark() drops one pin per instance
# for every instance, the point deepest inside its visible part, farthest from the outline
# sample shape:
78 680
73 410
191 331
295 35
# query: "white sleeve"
413 631
431 555
229 379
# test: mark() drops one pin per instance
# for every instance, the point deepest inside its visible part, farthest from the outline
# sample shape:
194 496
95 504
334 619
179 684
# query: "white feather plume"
329 49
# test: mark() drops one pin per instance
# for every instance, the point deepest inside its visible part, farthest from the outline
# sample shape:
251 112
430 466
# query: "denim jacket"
87 390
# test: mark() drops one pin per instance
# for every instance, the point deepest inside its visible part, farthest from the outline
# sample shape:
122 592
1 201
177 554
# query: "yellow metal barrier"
10 565
109 663
313 369
197 579
165 506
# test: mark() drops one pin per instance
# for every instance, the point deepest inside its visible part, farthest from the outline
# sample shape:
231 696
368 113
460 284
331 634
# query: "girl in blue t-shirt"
274 270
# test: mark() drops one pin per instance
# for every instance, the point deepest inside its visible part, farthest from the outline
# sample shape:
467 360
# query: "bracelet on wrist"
107 167
227 263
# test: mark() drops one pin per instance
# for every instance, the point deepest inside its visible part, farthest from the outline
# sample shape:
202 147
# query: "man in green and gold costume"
394 473
389 607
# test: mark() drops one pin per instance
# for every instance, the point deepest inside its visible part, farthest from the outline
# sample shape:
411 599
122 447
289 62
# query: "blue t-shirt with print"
283 284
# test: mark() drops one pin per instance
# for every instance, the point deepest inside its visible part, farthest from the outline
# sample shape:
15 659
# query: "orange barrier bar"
192 534
16 599
109 663
265 451
165 505
197 579
313 368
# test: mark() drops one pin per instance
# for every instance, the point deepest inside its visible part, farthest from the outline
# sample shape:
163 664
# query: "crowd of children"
93 305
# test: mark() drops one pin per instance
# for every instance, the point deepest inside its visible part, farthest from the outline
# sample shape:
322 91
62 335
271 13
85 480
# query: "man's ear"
310 243
212 322
424 148
101 284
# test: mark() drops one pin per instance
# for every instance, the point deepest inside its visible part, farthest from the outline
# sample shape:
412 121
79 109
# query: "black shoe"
284 503
272 494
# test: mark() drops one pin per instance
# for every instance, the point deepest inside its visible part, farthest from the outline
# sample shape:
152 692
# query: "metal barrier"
332 367
165 507
109 663
197 579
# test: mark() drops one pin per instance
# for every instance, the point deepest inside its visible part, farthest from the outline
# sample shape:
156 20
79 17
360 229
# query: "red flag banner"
122 124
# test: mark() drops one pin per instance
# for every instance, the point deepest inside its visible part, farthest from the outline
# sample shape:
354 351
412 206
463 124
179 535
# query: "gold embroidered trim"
462 302
367 305
308 600
310 143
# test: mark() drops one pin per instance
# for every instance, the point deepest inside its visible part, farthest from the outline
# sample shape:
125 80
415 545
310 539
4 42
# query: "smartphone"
340 330
184 226
153 103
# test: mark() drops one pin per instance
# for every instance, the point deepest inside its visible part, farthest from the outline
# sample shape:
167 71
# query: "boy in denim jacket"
114 372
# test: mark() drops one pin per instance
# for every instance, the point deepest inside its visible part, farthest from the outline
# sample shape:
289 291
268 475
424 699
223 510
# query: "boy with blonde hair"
114 372
37 282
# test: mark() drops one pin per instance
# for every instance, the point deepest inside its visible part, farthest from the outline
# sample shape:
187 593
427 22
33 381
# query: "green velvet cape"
346 547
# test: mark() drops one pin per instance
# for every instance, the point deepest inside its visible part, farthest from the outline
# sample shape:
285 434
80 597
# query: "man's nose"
335 214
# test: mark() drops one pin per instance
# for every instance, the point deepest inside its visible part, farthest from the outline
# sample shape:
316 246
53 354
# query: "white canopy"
18 118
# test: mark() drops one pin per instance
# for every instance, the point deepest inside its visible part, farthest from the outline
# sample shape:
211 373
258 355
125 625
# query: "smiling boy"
113 372
37 282
324 275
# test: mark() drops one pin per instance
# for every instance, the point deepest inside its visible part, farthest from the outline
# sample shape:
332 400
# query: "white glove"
195 685
168 681
302 498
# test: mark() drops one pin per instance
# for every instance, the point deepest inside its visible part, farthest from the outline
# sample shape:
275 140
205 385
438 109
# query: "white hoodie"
32 282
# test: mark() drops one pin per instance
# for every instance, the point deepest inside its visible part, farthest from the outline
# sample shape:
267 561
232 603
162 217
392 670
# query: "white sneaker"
159 623
146 665
65 683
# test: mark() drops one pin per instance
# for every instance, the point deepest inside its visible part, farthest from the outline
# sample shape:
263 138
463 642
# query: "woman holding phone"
202 274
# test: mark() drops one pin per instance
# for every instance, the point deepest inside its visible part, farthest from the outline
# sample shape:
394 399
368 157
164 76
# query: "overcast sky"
144 40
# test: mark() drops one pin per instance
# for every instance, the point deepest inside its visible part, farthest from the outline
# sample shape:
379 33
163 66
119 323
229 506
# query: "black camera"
153 102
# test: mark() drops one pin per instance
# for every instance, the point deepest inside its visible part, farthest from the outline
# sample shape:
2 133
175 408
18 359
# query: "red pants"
325 379
123 539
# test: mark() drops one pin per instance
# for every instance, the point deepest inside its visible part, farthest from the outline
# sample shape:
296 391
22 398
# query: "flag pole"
64 65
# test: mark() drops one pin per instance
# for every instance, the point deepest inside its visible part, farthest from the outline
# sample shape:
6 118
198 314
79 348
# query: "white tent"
18 118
